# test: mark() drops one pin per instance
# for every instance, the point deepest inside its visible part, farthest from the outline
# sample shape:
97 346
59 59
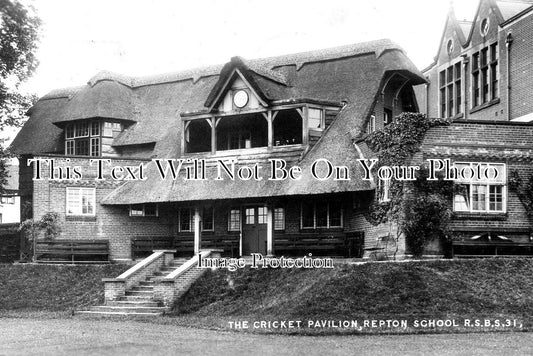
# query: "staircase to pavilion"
148 288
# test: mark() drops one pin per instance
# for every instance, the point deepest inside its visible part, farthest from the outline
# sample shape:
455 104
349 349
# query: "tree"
19 35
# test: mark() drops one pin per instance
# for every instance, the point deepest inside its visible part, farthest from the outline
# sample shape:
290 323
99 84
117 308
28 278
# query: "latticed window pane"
234 223
279 219
249 216
496 198
479 193
262 215
208 218
81 201
95 146
69 147
185 219
82 147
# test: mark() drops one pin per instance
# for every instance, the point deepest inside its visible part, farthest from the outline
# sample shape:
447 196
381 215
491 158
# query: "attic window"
83 138
315 119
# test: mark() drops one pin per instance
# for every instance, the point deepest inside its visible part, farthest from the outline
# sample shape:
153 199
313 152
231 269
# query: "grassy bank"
412 290
52 288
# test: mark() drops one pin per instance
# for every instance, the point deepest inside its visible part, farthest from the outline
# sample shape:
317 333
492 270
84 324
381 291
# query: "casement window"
208 219
144 210
81 201
186 219
321 215
7 200
84 138
234 219
371 126
450 91
383 190
315 118
279 219
480 194
485 75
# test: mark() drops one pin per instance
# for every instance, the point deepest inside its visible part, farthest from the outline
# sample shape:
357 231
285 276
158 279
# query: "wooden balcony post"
197 231
270 229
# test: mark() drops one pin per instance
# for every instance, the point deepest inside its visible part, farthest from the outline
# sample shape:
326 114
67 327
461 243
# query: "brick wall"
505 142
111 223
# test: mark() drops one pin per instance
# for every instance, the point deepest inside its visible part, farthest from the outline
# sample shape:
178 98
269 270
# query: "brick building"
482 79
299 108
303 108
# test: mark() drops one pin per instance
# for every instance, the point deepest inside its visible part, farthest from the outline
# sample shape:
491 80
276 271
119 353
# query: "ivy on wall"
524 190
421 209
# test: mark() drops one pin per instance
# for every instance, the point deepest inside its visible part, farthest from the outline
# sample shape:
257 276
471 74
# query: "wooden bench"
142 246
72 251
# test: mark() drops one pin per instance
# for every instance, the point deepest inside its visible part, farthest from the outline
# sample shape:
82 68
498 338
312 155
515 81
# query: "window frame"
485 76
280 220
80 213
321 119
238 220
143 210
471 183
328 218
450 90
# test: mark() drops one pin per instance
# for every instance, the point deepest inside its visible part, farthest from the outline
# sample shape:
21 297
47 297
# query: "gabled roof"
504 10
266 83
510 8
350 76
355 80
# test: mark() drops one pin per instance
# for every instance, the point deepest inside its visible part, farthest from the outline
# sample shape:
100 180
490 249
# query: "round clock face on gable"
240 98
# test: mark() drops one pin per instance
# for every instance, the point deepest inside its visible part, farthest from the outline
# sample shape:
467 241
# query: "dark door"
254 230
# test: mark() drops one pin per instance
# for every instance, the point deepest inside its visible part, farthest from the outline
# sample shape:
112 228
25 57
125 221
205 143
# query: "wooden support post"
197 231
213 122
270 129
270 229
305 125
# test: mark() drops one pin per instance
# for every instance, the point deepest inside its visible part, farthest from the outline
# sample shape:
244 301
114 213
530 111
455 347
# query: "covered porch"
290 227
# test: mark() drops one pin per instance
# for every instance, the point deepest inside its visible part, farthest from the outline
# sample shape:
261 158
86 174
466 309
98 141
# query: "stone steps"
139 299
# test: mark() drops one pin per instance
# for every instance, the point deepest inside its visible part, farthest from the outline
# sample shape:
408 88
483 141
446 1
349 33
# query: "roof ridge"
263 65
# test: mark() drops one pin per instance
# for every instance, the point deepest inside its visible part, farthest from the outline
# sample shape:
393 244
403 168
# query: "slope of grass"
432 289
53 287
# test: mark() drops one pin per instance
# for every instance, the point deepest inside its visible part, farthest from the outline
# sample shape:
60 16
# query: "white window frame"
321 119
144 210
230 228
472 182
79 209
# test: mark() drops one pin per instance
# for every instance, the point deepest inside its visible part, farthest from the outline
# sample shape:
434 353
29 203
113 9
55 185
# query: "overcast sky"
134 37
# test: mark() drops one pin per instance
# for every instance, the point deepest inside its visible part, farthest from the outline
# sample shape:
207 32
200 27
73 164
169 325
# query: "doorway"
254 230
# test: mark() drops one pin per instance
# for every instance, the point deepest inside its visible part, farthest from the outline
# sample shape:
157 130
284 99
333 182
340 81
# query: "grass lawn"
458 289
52 288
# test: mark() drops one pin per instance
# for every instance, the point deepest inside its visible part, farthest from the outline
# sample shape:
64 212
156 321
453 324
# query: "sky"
79 38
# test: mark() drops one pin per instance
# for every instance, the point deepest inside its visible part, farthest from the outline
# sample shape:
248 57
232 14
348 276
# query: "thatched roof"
348 75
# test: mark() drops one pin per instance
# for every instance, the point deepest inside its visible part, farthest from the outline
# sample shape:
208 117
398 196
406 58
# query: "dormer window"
316 119
84 138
